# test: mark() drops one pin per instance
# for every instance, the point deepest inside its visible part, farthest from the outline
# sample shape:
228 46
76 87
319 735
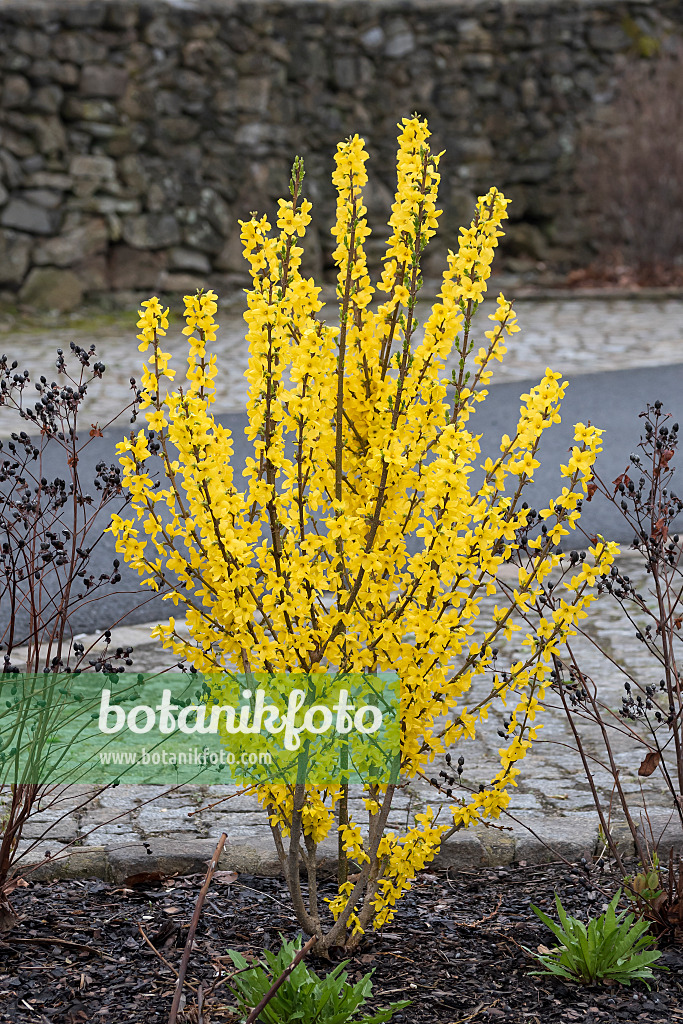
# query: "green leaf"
614 947
305 996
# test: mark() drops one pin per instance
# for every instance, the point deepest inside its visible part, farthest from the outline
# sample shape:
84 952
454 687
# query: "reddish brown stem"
182 970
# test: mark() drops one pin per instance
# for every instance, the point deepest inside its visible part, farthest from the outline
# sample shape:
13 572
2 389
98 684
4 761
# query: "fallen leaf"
650 762
543 950
225 877
144 878
14 883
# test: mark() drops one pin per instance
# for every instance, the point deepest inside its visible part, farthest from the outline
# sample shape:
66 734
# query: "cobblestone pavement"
571 335
136 828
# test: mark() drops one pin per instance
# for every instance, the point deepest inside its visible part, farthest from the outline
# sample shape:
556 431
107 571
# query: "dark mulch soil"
454 948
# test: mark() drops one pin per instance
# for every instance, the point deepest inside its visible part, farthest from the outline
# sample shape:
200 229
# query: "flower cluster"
354 540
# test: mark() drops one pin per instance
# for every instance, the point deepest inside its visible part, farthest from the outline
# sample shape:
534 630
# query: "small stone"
75 108
47 99
29 217
160 34
73 246
151 231
373 38
49 179
78 48
44 197
102 168
231 257
252 94
15 252
200 234
112 205
400 39
103 80
33 44
16 91
189 259
49 133
607 37
45 72
49 288
178 129
185 284
134 269
16 143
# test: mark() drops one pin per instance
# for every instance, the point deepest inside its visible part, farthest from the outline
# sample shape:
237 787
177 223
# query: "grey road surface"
612 400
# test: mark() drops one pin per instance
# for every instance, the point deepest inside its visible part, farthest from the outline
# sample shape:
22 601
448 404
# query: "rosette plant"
354 541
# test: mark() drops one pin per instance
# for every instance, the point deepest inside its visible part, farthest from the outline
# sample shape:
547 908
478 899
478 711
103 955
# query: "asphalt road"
610 400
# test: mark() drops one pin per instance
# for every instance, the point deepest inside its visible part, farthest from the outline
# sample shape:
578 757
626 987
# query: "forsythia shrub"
305 566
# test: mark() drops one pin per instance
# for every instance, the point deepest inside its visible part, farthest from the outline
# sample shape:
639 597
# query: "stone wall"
134 135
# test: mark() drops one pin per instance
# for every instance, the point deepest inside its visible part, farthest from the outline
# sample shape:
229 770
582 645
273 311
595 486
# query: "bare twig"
162 958
173 1016
53 940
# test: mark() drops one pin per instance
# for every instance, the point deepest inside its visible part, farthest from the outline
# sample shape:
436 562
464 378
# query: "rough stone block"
607 37
51 826
78 108
15 92
151 231
132 268
168 856
29 217
103 80
181 283
156 820
45 197
160 33
102 168
77 862
400 39
93 273
15 252
73 246
50 288
189 260
461 852
571 837
78 48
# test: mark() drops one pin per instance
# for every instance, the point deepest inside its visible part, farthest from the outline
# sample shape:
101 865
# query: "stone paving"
132 829
553 799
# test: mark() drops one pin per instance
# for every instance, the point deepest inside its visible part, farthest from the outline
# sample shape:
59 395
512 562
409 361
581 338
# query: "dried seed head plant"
356 543
649 723
49 526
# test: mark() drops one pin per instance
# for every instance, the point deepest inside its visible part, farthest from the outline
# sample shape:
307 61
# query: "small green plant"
611 948
645 885
304 996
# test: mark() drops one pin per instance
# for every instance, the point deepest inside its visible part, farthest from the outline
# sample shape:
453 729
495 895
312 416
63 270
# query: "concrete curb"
544 840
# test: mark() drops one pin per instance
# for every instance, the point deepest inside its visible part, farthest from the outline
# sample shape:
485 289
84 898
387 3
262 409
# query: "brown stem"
173 1016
